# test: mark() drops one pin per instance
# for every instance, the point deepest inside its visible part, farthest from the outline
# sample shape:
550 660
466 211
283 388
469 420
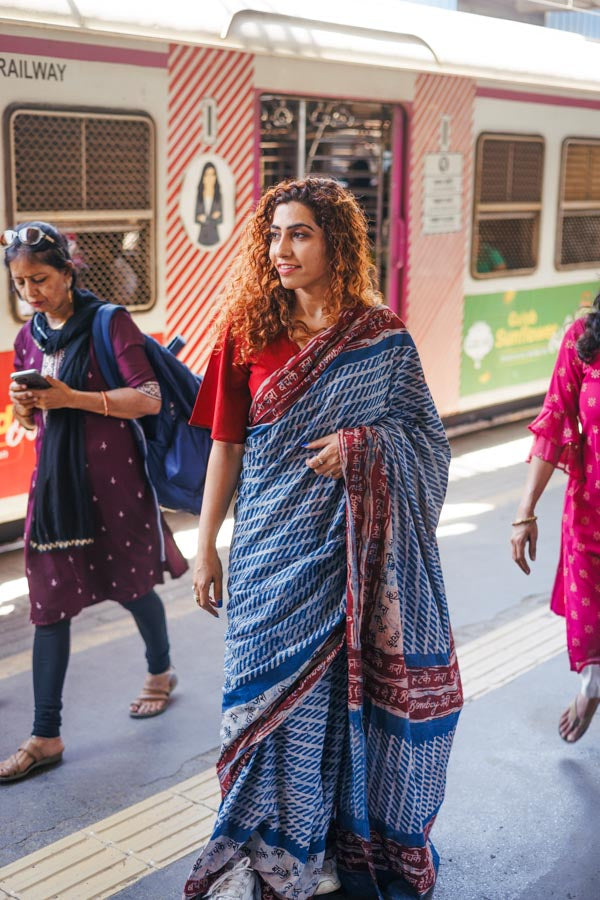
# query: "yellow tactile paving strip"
101 860
495 658
105 858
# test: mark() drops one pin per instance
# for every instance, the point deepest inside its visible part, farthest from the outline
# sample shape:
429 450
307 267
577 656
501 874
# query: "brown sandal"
151 694
37 761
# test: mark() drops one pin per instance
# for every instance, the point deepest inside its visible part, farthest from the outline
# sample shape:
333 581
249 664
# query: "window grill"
507 205
578 237
343 139
91 174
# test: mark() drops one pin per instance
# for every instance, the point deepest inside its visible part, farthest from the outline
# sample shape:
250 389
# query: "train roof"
381 32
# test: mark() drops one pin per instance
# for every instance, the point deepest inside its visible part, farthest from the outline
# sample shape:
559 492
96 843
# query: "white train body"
455 131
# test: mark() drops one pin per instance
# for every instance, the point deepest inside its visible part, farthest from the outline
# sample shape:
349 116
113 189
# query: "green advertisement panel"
512 338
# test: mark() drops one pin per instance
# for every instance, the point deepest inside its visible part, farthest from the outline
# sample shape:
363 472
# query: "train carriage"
472 143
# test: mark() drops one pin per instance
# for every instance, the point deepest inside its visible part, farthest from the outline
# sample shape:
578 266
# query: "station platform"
127 811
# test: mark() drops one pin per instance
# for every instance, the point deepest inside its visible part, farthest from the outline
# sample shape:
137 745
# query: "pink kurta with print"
567 434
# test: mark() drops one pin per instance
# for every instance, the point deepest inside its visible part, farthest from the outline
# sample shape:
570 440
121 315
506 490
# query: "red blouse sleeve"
557 435
224 400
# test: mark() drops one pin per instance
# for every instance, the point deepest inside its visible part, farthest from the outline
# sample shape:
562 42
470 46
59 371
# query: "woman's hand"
58 396
521 536
208 572
326 461
22 399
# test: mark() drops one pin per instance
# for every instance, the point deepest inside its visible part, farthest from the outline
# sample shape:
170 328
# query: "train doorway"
351 141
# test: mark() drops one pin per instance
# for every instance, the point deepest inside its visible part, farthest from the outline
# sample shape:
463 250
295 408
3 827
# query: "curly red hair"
257 308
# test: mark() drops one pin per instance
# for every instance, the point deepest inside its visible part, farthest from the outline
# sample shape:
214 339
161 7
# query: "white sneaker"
236 883
328 879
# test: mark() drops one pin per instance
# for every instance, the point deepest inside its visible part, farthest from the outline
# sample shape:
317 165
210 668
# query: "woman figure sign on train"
342 690
567 436
92 531
209 206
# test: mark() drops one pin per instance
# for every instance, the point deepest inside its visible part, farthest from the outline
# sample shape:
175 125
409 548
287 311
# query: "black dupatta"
62 505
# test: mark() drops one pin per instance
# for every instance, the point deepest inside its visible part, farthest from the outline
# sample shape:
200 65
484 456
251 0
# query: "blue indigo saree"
342 690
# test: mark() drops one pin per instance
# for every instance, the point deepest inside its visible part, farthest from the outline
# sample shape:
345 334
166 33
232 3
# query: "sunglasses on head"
30 235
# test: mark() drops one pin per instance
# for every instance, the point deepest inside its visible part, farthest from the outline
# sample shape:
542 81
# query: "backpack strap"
103 347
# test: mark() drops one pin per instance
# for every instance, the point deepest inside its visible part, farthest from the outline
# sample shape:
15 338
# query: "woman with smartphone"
92 532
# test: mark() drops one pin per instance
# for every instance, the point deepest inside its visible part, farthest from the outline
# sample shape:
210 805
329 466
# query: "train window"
92 175
578 237
345 139
507 205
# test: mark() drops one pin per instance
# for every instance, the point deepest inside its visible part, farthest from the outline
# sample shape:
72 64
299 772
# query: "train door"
352 141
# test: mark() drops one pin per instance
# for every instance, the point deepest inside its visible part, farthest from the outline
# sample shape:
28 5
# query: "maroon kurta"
124 562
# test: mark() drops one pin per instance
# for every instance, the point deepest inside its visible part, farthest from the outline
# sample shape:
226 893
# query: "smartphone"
31 378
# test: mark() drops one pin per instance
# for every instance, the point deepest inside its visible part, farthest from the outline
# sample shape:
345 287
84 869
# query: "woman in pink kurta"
567 436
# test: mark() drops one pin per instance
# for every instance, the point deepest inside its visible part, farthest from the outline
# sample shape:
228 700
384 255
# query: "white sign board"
442 192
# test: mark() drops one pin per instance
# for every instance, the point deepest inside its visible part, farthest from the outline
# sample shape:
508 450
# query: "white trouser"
590 680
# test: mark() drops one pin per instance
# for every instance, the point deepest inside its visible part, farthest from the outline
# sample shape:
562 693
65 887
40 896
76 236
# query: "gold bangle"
105 401
525 521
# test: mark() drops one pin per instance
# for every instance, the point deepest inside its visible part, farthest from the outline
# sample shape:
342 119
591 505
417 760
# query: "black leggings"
51 647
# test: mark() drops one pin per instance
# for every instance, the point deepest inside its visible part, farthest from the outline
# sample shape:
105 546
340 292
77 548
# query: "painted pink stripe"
188 104
544 99
192 301
193 86
202 289
176 152
227 71
201 328
237 137
178 89
178 66
242 71
187 274
238 142
199 286
178 162
176 51
240 120
199 360
205 88
229 89
181 253
86 52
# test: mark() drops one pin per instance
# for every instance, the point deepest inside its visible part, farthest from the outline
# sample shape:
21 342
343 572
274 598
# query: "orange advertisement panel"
16 444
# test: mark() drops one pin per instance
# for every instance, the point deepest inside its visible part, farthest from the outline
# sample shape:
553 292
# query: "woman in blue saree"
342 690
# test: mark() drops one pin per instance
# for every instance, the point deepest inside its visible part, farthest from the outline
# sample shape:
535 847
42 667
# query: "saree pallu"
342 690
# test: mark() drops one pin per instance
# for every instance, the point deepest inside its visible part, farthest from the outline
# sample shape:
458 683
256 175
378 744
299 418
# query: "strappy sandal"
37 761
151 694
577 722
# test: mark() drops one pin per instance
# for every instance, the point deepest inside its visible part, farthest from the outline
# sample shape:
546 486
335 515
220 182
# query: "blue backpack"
175 453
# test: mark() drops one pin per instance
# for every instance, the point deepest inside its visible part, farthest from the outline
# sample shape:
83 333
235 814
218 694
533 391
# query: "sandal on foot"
34 752
151 694
577 723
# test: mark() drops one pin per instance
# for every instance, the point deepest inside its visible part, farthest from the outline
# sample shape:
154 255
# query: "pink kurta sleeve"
557 437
